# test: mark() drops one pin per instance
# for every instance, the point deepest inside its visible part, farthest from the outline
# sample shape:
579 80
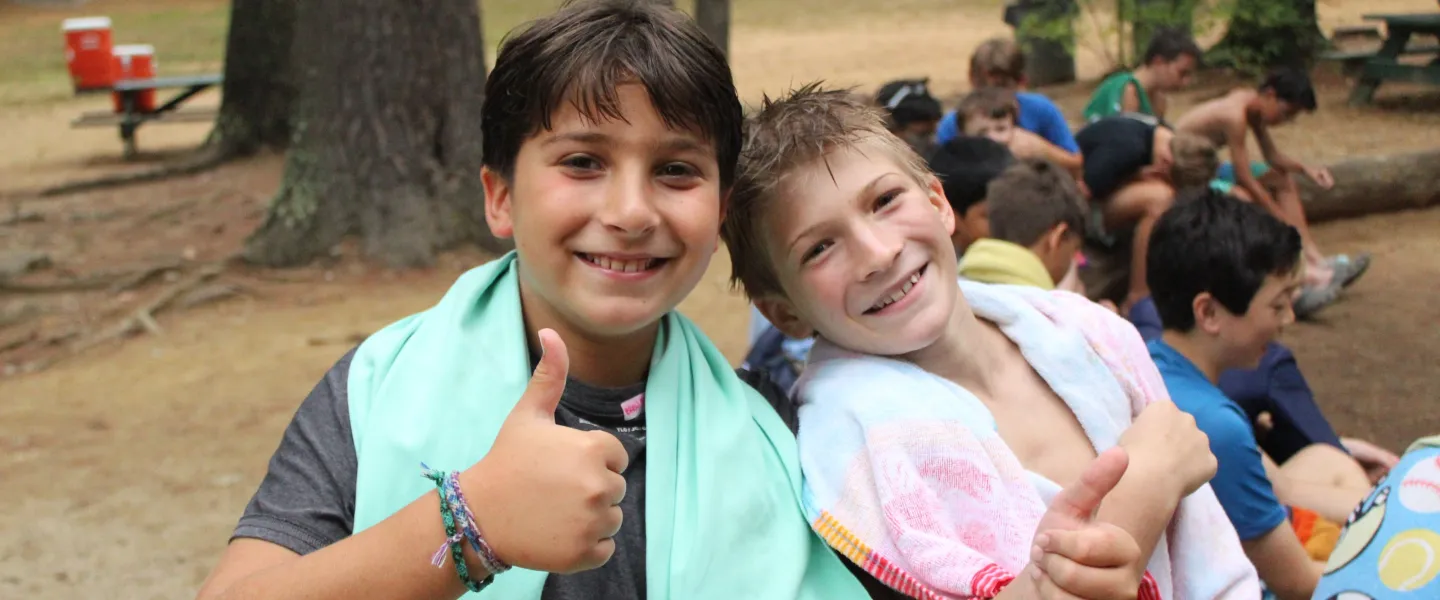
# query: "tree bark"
713 16
1264 34
387 134
1044 28
1374 184
259 90
1363 186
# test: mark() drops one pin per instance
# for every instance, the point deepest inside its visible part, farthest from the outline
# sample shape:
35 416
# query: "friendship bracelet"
454 537
472 531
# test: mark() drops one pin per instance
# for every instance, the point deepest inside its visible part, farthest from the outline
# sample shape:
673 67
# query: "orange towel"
1316 533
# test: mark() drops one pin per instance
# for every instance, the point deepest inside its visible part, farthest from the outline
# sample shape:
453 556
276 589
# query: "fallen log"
1367 185
1364 185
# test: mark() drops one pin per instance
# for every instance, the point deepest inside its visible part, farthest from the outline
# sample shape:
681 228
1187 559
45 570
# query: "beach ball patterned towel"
1391 544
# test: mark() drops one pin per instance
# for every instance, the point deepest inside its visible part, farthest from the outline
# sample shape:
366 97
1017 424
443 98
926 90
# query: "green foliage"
1118 30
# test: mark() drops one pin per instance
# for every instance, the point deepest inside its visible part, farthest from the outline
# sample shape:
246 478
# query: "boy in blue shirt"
999 62
1222 274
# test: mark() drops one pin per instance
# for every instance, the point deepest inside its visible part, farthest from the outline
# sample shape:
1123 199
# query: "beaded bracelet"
460 526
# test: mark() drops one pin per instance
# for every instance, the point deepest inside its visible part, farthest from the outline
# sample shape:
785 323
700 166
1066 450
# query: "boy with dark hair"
1131 168
1169 61
1229 121
914 113
937 415
1222 274
965 167
1000 62
1037 223
991 112
611 134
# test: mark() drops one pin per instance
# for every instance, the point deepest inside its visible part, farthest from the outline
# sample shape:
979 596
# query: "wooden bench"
130 117
111 119
1352 62
1349 33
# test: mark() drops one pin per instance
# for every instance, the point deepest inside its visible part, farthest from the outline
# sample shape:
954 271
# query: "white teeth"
623 266
895 297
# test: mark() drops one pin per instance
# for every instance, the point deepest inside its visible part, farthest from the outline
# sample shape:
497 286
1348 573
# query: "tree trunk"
1045 29
713 16
259 90
1363 186
387 134
1374 184
1264 34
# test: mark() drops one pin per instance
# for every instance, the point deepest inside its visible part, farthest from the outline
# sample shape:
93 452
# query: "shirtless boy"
1228 121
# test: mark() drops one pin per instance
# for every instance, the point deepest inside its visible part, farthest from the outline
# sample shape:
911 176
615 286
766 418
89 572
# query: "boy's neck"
1145 76
602 361
967 353
1196 351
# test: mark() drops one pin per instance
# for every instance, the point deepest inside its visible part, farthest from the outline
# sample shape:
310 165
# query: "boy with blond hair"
936 423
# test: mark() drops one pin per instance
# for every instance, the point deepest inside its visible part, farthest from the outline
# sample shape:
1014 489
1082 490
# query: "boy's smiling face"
614 220
1244 338
863 254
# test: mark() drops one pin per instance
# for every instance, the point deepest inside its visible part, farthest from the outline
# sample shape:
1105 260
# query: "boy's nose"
878 250
628 207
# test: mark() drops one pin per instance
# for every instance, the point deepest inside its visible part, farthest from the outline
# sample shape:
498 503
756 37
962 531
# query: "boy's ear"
1055 237
498 204
782 315
1207 313
936 193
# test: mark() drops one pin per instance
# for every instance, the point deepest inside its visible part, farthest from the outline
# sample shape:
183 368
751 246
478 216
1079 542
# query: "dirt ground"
124 467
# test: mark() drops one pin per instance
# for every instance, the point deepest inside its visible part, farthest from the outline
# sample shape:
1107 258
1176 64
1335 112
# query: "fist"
1165 444
1099 560
547 497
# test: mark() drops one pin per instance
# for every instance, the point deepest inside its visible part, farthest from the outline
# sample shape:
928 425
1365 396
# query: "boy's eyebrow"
864 192
682 143
678 143
585 137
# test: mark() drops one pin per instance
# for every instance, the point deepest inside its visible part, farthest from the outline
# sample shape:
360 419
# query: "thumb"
547 384
1079 500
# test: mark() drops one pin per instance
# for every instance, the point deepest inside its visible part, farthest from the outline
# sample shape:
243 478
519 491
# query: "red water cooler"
135 61
88 52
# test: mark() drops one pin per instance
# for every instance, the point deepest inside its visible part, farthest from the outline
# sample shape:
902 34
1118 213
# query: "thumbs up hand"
546 497
1076 557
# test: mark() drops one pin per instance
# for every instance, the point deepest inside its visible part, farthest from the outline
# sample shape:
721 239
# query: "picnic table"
1384 65
131 117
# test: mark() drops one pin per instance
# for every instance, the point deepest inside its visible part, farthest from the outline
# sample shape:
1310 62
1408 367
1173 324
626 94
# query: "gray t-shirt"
307 499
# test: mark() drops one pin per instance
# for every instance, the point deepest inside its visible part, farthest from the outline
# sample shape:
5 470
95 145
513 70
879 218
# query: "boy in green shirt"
1169 61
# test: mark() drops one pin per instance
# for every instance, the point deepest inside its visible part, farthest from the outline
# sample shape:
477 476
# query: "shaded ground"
125 467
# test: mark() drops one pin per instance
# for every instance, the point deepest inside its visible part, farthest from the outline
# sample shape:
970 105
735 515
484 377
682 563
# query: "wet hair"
999 62
1168 44
786 135
1196 160
908 101
1291 86
1030 198
587 49
965 166
1216 243
992 102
